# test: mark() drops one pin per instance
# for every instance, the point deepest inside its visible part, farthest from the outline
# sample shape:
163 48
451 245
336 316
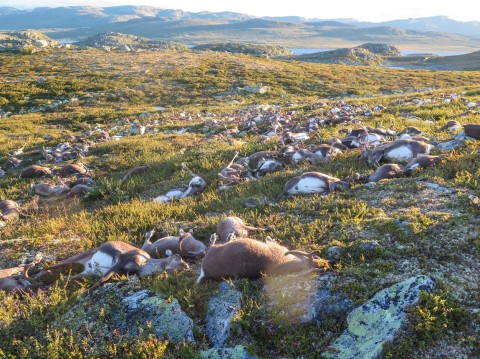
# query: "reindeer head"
175 262
312 261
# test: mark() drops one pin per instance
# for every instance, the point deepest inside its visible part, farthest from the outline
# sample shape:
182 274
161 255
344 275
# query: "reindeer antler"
184 166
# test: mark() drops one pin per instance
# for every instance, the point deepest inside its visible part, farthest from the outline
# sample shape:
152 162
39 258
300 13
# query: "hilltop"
246 48
25 40
369 54
113 41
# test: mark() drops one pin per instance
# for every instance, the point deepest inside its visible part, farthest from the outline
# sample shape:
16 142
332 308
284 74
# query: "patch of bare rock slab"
370 325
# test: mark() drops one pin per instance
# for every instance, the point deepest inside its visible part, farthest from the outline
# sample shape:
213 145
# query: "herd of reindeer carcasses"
231 252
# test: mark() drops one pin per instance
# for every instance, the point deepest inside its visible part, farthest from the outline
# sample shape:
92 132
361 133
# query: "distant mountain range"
79 22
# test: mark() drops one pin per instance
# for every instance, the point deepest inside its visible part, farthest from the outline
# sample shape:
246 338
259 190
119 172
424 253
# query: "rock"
257 89
123 308
368 246
450 145
239 352
334 253
222 308
435 186
378 320
323 304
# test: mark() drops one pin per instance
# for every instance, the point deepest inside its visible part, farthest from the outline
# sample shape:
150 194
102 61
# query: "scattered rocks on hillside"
248 49
381 49
25 40
378 321
124 309
114 41
222 308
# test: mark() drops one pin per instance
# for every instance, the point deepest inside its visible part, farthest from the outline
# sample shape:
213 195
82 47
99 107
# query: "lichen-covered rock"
125 309
239 352
334 253
378 320
324 304
450 145
222 308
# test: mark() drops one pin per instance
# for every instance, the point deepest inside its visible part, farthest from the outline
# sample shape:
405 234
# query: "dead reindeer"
336 143
73 170
13 162
324 151
232 226
412 131
196 185
294 138
452 125
45 189
305 155
234 173
9 210
184 244
374 140
16 279
399 150
472 130
313 182
249 258
263 162
424 161
88 181
387 171
36 171
80 190
135 171
117 257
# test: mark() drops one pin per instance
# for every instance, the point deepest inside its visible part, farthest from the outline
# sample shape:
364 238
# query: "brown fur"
16 279
9 210
387 171
185 244
233 226
35 171
472 130
72 169
248 258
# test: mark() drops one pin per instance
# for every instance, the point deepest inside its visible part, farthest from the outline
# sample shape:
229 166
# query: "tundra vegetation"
425 223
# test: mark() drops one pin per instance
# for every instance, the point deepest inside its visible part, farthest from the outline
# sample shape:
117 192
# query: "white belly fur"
309 185
399 154
99 264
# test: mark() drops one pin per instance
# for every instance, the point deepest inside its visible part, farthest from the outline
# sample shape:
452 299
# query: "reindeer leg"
102 281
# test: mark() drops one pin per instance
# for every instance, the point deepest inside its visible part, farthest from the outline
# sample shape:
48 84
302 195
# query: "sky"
366 10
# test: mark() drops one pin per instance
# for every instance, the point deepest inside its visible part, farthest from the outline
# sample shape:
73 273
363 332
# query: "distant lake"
301 51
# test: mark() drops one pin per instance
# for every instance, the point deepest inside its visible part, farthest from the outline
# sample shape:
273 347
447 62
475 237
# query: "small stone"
368 246
334 253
